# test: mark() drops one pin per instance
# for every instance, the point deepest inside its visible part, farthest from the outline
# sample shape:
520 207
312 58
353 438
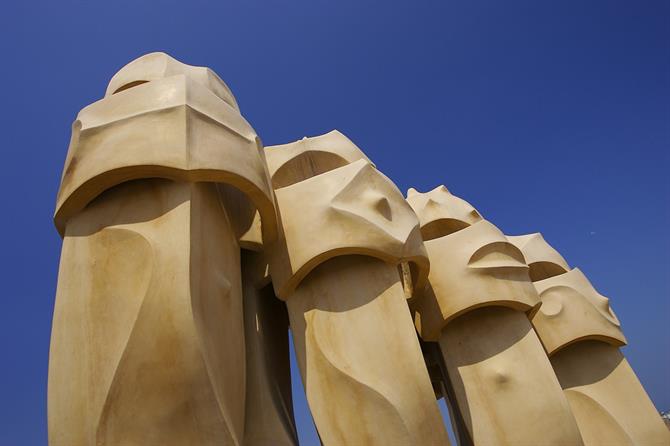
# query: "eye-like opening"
544 270
306 165
442 227
498 255
129 85
383 207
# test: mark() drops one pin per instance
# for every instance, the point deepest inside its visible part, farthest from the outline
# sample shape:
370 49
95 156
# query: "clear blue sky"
549 116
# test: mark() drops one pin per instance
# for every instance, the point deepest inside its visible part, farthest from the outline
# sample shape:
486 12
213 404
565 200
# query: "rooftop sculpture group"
190 250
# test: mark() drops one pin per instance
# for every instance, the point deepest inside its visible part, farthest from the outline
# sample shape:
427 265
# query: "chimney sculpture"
475 306
189 249
582 336
148 340
346 228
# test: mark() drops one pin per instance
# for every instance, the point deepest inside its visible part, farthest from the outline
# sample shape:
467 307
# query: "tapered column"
475 305
501 377
269 408
148 344
148 337
345 230
582 336
357 348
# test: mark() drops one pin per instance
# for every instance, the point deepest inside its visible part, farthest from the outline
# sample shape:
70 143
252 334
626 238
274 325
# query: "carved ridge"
332 363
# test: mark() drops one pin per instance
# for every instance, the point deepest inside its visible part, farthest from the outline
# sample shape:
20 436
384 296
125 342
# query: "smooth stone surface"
475 305
359 358
504 384
581 335
148 342
609 403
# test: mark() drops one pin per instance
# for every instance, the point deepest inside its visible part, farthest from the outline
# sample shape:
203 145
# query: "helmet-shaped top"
154 66
440 212
297 161
542 259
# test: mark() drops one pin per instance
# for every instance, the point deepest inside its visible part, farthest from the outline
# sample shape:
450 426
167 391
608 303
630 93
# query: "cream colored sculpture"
148 338
346 228
189 250
475 307
581 334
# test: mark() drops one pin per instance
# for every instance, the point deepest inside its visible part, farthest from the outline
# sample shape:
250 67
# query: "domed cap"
542 259
573 310
308 157
471 268
171 126
441 213
353 209
154 66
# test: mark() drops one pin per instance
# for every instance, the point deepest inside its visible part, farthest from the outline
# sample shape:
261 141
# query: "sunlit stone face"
367 196
352 209
474 267
472 262
441 213
572 310
164 119
155 66
297 161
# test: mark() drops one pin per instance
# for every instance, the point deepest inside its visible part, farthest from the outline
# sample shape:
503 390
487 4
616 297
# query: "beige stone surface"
294 162
156 66
503 382
472 263
189 250
353 209
345 231
475 306
607 399
572 310
148 341
174 127
163 181
542 259
359 357
441 213
581 335
471 268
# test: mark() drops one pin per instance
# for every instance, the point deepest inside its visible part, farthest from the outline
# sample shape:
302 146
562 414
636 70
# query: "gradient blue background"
546 116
